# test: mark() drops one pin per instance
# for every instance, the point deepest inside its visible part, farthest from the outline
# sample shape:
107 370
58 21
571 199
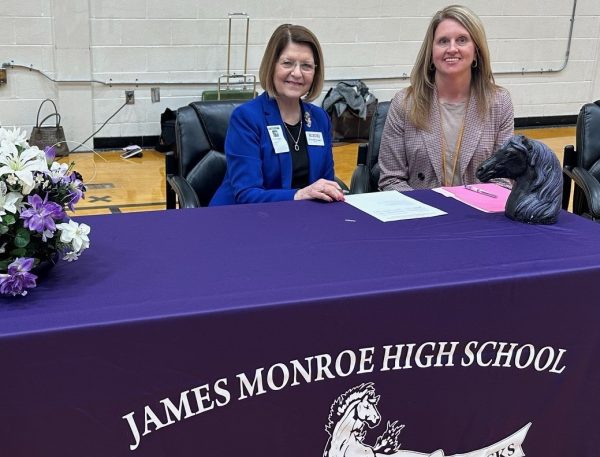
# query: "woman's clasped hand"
323 189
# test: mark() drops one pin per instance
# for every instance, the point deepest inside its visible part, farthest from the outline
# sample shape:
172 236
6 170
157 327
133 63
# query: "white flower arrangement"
35 192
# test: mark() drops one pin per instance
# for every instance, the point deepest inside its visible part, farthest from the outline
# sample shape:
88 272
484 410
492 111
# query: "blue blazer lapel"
315 153
273 117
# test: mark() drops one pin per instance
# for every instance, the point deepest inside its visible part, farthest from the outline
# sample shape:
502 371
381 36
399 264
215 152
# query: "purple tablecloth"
232 330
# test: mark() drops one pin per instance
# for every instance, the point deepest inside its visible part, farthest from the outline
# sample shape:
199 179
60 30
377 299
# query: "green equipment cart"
234 86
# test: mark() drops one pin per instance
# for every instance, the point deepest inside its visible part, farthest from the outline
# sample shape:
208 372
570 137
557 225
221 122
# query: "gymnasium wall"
86 53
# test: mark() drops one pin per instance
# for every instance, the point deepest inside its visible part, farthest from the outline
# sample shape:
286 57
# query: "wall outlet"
129 97
155 94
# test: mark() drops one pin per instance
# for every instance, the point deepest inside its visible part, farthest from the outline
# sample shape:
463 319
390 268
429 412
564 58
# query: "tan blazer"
410 158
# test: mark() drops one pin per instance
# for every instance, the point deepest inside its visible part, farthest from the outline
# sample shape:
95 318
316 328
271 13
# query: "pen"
480 191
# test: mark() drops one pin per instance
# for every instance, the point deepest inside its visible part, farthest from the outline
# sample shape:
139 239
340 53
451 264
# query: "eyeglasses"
305 67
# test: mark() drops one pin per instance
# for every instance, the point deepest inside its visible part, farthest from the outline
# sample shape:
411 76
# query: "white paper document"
391 206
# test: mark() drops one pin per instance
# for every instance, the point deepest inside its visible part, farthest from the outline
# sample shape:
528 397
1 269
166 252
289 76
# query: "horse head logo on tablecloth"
536 195
353 412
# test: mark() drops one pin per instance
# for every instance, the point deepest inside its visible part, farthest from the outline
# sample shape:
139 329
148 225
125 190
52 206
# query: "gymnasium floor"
116 185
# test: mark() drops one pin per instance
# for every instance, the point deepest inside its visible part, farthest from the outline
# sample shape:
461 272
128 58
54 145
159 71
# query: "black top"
300 163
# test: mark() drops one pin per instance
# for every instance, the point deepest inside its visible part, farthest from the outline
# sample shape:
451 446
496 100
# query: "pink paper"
480 201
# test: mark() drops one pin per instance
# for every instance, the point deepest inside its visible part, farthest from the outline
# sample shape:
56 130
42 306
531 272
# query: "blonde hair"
282 36
422 77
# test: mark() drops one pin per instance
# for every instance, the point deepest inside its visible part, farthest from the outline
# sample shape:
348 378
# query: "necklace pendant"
295 141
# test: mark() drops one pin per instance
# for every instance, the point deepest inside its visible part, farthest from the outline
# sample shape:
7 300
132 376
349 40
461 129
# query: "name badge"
278 140
314 139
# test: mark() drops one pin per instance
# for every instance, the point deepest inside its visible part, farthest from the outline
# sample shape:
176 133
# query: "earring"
431 67
474 64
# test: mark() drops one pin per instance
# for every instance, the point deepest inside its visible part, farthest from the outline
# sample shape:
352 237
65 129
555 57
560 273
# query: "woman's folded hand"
323 189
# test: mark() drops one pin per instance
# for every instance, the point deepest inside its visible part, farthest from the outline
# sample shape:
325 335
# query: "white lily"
75 234
22 164
14 136
9 201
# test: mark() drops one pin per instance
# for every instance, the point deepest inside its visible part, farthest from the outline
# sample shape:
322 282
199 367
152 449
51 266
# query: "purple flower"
76 190
18 278
50 152
42 214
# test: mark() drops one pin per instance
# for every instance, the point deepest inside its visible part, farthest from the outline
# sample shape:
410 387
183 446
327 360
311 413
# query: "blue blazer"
255 173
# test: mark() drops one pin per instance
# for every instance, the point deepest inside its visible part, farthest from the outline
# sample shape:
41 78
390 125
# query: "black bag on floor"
349 126
351 106
166 142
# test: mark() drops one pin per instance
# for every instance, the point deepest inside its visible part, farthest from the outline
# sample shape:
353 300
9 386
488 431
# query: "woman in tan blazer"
453 116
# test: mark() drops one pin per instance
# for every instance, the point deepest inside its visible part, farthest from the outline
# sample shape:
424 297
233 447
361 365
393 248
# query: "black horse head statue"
537 192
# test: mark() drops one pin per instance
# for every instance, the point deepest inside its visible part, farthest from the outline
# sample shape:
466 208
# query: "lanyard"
445 146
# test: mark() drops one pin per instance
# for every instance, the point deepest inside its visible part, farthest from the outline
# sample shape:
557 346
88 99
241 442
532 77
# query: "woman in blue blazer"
278 146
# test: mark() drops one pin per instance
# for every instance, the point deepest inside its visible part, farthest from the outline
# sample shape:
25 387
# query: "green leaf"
3 229
8 219
21 238
20 252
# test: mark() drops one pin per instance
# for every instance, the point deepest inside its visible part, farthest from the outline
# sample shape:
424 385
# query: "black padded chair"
581 164
196 168
365 177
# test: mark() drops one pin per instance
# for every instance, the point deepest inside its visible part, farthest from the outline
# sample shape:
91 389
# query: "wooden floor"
116 185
